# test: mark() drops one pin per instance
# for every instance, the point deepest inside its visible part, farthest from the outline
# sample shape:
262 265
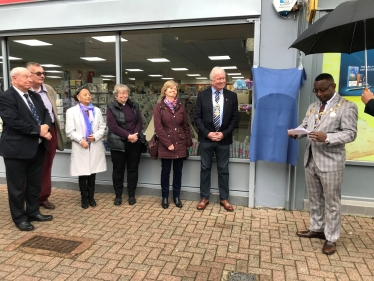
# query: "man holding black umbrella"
332 122
368 99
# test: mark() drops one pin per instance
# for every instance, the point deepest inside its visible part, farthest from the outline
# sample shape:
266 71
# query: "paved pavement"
146 242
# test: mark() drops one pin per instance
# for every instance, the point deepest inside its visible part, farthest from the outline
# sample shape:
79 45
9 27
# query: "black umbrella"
349 28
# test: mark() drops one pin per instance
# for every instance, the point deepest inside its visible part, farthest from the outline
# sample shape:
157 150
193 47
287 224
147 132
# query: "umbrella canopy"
340 31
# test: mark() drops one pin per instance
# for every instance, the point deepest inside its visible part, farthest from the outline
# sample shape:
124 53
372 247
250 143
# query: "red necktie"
322 108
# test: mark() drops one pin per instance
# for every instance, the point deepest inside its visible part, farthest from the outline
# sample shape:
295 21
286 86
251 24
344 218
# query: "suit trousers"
131 158
222 152
23 181
46 182
324 189
177 176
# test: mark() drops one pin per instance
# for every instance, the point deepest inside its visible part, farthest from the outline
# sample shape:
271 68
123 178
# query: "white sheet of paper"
299 131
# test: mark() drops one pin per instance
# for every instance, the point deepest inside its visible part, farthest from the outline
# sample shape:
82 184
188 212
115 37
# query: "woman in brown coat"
172 128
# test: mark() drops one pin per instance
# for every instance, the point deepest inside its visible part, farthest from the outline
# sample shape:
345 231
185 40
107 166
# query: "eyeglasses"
40 73
322 90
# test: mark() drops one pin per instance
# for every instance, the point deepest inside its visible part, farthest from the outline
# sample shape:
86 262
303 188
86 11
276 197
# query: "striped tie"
33 109
216 113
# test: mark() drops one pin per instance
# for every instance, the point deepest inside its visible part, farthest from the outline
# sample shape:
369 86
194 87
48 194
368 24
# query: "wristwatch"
327 140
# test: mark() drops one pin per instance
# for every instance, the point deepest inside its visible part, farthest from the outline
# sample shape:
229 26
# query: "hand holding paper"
298 131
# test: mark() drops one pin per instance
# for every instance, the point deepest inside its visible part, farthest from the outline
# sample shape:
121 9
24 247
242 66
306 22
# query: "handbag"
153 147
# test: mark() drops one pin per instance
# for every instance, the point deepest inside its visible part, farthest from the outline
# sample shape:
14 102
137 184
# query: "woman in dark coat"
172 128
125 140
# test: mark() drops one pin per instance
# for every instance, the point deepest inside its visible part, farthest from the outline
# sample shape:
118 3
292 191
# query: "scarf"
88 120
171 105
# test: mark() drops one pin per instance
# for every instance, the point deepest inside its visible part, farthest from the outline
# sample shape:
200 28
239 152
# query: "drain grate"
241 277
62 246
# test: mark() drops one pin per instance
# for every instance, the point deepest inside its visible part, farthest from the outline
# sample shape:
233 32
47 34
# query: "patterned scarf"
171 105
88 120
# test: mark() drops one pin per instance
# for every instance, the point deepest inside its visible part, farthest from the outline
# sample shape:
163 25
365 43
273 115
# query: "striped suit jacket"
339 122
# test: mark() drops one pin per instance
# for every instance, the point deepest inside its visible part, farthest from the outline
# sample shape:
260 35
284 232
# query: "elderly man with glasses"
332 122
48 96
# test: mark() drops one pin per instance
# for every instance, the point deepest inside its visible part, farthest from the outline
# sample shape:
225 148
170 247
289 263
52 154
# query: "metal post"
118 58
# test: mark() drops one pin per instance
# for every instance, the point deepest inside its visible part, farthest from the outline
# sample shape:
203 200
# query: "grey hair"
120 87
215 69
32 64
15 71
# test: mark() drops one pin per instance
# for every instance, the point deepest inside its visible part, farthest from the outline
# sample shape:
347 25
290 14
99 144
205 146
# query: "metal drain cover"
62 246
241 277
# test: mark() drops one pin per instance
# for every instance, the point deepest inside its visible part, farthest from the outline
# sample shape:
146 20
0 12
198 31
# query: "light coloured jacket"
340 124
52 98
84 162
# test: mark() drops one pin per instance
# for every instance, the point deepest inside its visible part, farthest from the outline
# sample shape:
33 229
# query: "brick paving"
146 242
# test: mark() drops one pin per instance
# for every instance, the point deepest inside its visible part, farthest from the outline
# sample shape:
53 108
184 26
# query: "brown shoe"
48 205
226 205
311 234
329 248
202 204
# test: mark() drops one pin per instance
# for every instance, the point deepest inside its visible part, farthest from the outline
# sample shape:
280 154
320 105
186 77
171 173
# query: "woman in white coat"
85 127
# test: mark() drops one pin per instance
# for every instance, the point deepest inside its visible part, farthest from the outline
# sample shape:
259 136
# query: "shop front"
103 43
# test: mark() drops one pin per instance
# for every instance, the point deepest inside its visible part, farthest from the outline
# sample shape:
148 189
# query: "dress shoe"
48 205
132 200
202 204
92 202
41 217
165 202
25 226
310 234
329 247
118 201
226 205
178 202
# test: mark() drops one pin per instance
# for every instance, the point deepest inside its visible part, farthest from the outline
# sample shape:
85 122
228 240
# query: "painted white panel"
65 14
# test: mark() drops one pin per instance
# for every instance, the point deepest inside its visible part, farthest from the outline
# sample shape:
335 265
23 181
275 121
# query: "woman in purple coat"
172 128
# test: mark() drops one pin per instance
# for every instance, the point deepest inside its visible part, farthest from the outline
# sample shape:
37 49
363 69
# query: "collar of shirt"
214 92
22 95
329 101
42 89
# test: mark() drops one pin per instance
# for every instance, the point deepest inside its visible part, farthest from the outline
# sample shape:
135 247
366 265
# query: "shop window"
149 58
66 60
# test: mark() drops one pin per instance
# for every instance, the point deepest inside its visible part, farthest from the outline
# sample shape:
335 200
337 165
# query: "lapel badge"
333 114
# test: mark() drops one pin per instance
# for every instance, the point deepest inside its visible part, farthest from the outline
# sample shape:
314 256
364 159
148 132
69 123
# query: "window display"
149 58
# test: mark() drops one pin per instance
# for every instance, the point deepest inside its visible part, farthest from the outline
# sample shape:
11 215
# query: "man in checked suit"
48 96
333 122
215 115
26 124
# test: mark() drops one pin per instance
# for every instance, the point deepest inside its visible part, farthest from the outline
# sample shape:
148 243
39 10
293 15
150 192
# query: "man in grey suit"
48 96
333 122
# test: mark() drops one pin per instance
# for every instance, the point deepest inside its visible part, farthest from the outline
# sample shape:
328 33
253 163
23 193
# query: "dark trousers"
87 185
131 158
177 176
222 152
23 181
46 182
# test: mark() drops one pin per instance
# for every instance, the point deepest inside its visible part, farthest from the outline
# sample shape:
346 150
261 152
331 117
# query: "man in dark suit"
215 115
24 140
368 99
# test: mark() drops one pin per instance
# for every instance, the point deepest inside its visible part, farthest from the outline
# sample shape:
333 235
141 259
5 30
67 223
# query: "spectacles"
322 90
40 73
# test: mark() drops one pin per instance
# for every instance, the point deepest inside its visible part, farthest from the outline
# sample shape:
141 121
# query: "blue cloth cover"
276 99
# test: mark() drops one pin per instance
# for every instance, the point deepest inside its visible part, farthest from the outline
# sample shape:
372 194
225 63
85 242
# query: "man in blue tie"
215 116
26 124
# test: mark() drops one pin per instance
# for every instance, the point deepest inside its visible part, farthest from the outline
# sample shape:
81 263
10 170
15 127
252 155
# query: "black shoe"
92 202
165 202
118 201
178 202
41 217
25 226
132 200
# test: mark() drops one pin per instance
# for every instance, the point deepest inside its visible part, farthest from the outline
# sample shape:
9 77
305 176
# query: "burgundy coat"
172 129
